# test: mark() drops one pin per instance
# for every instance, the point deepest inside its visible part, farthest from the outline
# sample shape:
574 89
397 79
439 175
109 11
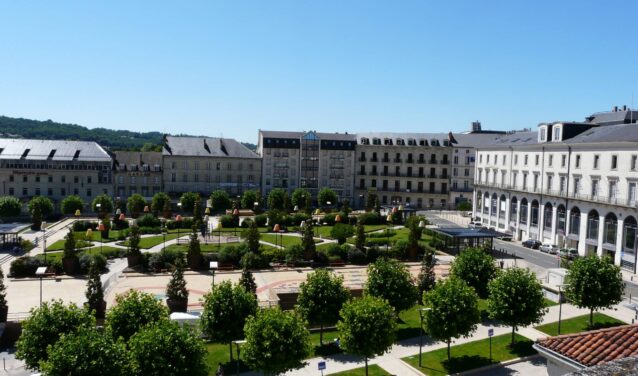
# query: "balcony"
398 160
374 173
362 159
385 160
410 160
444 176
421 160
374 159
361 173
432 176
445 161
385 173
432 161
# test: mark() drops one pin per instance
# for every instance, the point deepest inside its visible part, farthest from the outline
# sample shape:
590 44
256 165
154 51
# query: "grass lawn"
206 248
59 255
219 353
284 240
408 323
472 355
580 324
59 245
550 303
373 370
95 236
152 241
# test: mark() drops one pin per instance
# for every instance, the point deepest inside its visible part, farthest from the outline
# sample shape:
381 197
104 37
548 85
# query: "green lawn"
373 370
219 353
285 240
59 255
59 245
408 323
580 324
152 241
210 247
95 236
472 355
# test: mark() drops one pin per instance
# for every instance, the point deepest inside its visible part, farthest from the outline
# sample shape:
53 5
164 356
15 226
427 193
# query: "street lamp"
276 230
101 228
99 209
421 310
560 303
237 343
236 221
43 225
178 219
41 272
77 214
213 265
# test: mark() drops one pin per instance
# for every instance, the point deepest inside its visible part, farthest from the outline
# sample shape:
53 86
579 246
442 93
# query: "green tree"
106 205
277 199
194 251
360 243
226 309
453 313
197 210
220 200
327 195
132 312
3 290
86 352
247 281
308 241
135 205
427 278
148 146
377 205
321 297
367 327
341 232
167 210
71 204
464 206
414 236
176 288
252 237
134 241
94 291
69 245
165 348
276 341
39 208
516 299
249 198
188 201
370 201
10 207
298 198
390 280
476 267
594 283
45 325
158 203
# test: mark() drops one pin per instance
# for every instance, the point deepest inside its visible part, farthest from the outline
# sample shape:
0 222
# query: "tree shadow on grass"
522 348
327 349
602 325
465 362
230 368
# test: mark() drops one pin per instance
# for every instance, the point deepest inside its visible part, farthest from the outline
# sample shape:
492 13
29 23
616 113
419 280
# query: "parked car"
548 248
505 237
475 224
569 253
531 243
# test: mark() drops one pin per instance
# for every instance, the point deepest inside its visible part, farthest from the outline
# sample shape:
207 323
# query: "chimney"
615 109
624 108
476 126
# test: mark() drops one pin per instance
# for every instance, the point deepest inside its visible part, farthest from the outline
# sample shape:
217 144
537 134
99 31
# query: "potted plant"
94 293
176 292
134 255
194 254
4 308
70 261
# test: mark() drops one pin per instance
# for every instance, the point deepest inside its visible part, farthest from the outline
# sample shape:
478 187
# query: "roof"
475 140
322 136
625 367
596 346
206 147
55 150
463 232
613 117
138 158
515 139
610 133
404 136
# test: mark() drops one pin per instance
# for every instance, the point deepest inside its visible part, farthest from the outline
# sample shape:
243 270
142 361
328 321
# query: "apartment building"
137 172
572 184
206 164
55 169
309 160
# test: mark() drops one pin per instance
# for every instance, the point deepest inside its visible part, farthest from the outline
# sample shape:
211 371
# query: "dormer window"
557 134
423 142
376 141
542 134
365 141
387 141
400 141
411 142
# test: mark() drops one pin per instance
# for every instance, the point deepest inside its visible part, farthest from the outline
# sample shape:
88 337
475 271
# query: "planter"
71 265
4 310
177 305
134 259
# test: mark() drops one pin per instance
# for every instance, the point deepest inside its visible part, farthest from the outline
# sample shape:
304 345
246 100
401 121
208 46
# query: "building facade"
206 164
137 172
572 184
308 160
55 169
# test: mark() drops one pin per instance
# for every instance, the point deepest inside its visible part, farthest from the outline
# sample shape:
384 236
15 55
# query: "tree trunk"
448 349
591 318
321 335
230 346
513 330
366 361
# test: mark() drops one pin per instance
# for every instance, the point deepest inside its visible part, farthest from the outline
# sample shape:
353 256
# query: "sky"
230 68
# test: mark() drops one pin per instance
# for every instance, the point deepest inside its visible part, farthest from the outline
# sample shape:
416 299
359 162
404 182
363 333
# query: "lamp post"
213 265
388 220
178 219
41 272
219 235
146 209
328 203
276 230
236 221
101 228
43 225
99 209
560 303
255 206
237 343
77 214
421 310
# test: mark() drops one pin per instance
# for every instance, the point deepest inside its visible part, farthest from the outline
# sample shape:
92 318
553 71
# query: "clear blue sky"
233 67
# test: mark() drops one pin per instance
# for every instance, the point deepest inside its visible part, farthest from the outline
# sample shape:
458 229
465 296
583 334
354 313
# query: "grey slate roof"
611 118
404 136
127 158
610 133
206 147
515 139
297 135
14 148
475 140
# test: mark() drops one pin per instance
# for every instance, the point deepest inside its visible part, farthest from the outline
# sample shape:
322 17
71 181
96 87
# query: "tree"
188 201
476 268
594 283
391 280
249 198
247 281
377 205
194 252
39 208
327 195
454 311
71 204
197 210
427 278
360 243
132 312
135 205
220 200
158 203
252 237
321 297
226 308
106 205
276 341
366 327
10 207
516 298
167 210
176 289
86 352
370 201
3 291
165 348
464 206
276 199
308 241
69 244
134 241
94 292
341 232
298 198
45 325
414 236
345 207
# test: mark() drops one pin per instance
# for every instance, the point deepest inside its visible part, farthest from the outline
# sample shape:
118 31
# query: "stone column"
601 229
529 217
507 213
619 245
568 225
474 204
518 219
554 227
582 235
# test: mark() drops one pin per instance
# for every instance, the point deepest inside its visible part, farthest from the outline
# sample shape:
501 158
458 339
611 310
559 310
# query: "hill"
110 138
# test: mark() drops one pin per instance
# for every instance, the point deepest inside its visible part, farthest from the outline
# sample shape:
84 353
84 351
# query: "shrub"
252 260
148 220
230 254
341 232
82 226
297 218
227 221
356 257
321 259
383 234
261 220
294 253
119 224
340 251
186 223
155 262
328 219
275 217
276 255
373 253
210 256
399 250
377 241
26 245
25 266
370 218
86 259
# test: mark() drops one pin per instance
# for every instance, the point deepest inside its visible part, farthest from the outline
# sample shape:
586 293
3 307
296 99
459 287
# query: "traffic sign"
490 332
321 365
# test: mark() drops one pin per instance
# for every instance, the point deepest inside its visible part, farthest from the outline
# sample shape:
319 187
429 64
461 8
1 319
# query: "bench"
337 263
223 266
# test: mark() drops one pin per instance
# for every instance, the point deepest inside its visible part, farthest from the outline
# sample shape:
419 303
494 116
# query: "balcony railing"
398 160
385 160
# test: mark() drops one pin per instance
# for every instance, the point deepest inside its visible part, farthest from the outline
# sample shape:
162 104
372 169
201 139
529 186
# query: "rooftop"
462 232
54 150
206 147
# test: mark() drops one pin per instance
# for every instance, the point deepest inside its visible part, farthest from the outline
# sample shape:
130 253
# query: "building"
206 164
572 184
137 172
55 169
308 160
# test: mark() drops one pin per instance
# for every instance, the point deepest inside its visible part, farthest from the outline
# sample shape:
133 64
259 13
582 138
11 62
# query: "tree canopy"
159 201
10 206
135 205
390 280
132 312
40 207
188 201
327 195
71 204
277 199
106 204
476 267
299 198
220 200
249 198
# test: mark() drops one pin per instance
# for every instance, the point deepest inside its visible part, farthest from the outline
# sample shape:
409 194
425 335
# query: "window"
504 160
63 180
594 187
37 179
526 159
516 159
24 179
631 189
634 161
557 134
536 159
11 178
562 182
576 185
12 192
614 162
563 160
89 192
577 163
596 160
24 192
613 189
535 182
543 134
62 192
550 160
50 191
37 191
524 181
549 182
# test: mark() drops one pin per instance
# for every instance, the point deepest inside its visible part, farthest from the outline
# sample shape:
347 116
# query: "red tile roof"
596 346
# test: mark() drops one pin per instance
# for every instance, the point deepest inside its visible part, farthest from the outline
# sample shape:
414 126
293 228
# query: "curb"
412 368
496 365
